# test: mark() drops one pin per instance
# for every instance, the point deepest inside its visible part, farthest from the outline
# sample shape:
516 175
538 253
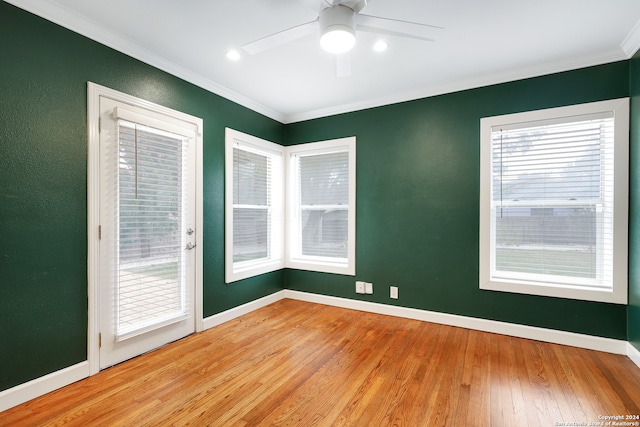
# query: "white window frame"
294 258
289 230
235 271
618 292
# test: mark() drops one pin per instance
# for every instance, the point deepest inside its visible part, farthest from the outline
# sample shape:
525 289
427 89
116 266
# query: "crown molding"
456 86
77 23
631 43
73 21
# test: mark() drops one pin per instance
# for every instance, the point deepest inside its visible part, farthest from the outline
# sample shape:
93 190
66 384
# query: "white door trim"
94 92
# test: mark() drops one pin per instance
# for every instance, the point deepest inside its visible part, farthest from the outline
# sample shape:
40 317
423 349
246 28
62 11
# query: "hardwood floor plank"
295 363
511 368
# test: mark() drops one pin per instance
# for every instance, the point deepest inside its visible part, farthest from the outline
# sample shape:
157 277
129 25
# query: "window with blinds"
151 289
553 198
324 204
255 211
322 210
318 200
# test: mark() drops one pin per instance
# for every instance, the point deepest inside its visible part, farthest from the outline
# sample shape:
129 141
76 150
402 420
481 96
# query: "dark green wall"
633 309
417 194
418 201
44 70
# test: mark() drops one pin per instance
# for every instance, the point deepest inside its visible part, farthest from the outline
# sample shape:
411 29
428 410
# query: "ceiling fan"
337 22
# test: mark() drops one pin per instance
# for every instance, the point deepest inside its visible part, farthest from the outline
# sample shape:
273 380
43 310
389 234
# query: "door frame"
94 92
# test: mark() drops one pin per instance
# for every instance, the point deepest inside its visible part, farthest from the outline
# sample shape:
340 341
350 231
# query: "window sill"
584 293
251 270
322 267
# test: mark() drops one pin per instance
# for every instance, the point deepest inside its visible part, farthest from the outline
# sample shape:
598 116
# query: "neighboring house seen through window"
554 202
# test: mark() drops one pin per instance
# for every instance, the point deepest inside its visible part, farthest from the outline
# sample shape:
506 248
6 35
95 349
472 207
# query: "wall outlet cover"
368 288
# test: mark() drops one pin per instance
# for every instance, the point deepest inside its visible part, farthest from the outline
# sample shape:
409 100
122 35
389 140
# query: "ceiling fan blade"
281 37
343 65
395 27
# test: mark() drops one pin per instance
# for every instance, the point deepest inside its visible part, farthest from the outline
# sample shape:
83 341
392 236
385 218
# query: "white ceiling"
483 42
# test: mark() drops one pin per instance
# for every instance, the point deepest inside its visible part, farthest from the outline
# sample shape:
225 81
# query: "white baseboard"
608 345
634 354
32 389
43 385
225 316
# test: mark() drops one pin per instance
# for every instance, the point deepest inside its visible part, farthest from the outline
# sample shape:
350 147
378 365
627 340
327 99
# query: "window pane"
559 162
324 179
547 240
552 197
324 199
324 232
250 234
251 173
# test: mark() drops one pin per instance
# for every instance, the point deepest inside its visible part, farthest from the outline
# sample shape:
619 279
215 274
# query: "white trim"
40 386
94 91
241 310
590 342
631 43
199 234
80 24
634 354
480 81
93 222
30 390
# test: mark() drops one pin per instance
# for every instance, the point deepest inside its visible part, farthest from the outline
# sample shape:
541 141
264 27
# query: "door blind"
151 217
552 201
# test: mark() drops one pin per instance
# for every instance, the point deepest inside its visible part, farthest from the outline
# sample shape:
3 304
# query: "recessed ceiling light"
233 55
380 46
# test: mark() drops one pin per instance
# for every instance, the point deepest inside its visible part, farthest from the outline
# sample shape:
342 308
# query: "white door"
147 230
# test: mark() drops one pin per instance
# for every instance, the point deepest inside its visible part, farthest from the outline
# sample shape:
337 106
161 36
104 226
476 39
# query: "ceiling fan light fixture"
337 29
337 41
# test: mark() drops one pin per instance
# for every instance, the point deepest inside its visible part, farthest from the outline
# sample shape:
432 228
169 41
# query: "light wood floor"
301 364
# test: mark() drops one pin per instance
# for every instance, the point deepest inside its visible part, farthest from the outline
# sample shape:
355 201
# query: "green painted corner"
633 309
418 201
43 190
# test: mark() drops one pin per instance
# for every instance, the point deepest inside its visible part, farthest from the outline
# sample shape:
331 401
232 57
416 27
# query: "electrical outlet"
368 288
360 287
393 292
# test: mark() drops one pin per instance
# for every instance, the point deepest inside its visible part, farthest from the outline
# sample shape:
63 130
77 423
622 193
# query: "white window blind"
323 184
255 203
254 206
553 200
151 288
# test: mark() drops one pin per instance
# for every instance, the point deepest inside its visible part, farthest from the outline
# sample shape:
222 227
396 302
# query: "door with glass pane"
147 222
